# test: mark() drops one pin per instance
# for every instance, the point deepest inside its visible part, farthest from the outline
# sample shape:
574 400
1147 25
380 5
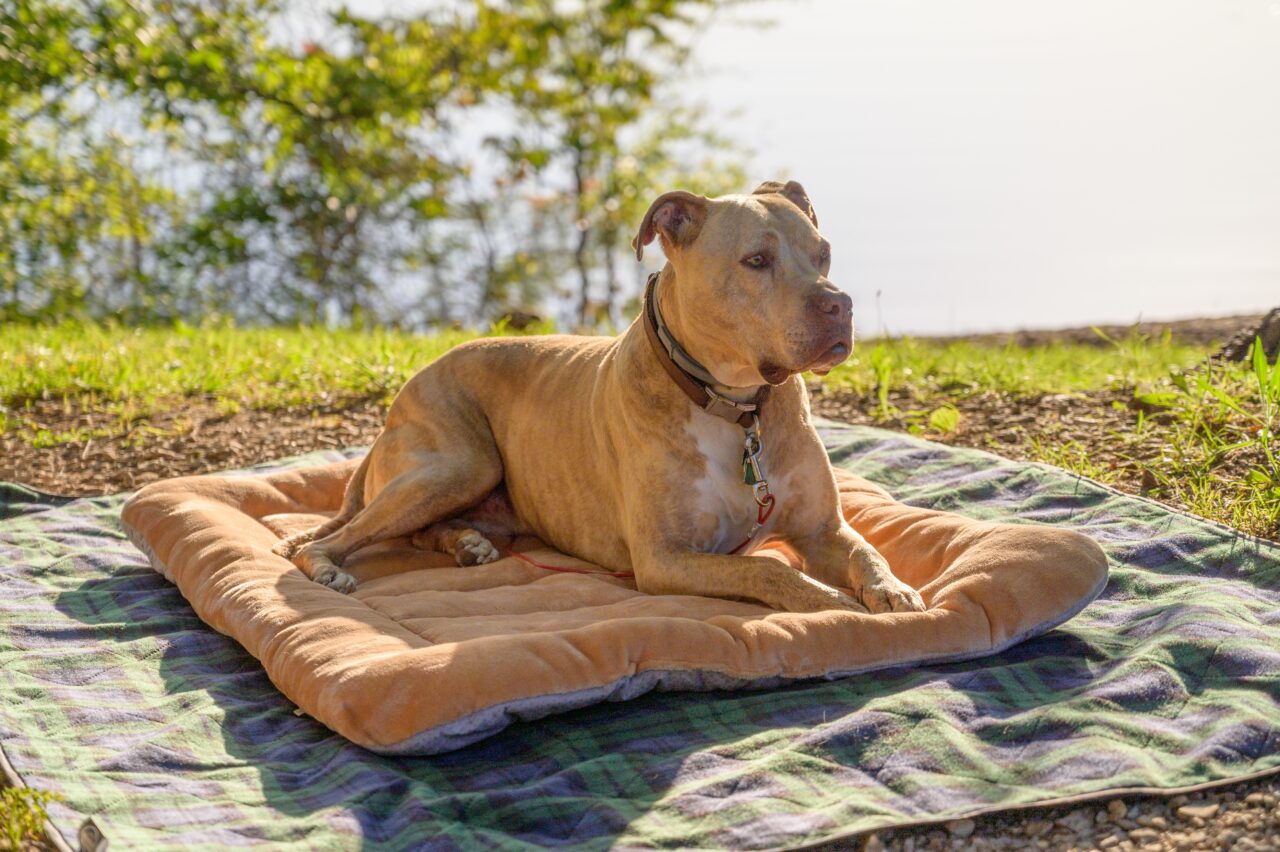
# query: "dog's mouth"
824 363
830 357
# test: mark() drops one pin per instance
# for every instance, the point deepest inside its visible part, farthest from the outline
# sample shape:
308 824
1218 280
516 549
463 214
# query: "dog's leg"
352 500
839 556
758 578
432 485
460 540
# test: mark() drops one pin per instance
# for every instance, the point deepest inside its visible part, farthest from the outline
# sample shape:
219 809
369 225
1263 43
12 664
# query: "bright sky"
996 164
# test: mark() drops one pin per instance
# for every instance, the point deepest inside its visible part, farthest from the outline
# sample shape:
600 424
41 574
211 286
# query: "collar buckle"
722 406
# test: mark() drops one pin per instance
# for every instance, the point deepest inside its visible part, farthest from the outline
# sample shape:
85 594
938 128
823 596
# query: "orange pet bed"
426 657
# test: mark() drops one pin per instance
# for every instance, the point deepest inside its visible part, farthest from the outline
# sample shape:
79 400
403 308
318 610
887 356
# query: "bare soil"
197 438
193 439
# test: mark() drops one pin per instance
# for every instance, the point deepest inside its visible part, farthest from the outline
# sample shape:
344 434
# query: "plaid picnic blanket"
115 695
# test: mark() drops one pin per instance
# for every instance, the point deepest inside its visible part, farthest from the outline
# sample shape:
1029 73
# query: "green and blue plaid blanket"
115 695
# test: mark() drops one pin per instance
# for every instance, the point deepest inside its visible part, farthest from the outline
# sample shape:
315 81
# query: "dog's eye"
756 261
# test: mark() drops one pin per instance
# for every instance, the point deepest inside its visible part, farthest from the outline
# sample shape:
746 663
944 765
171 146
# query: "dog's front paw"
890 594
317 565
336 579
474 549
289 547
878 588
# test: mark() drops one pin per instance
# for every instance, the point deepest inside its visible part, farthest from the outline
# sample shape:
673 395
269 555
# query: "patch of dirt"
1007 424
1095 433
193 439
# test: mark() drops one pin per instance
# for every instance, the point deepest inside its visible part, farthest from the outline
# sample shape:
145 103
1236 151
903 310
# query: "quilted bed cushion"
426 657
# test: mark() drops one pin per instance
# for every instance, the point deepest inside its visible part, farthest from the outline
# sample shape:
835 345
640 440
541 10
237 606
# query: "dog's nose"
832 303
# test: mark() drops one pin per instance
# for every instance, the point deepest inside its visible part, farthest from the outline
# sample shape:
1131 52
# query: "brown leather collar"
697 390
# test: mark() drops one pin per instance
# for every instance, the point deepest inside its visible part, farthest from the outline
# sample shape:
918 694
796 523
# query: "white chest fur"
724 505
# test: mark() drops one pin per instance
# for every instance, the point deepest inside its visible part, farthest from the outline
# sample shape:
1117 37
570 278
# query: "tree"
171 158
602 120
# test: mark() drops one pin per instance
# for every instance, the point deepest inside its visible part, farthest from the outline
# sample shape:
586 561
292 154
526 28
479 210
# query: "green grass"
933 368
98 365
136 370
1219 430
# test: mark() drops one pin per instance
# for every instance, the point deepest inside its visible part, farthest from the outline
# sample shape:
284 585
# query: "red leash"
763 511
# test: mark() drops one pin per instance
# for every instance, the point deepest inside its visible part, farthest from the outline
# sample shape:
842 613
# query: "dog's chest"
725 507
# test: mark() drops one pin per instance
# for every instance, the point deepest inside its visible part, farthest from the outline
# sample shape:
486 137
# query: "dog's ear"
793 192
677 216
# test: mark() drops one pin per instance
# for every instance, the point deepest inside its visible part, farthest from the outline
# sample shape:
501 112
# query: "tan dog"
604 455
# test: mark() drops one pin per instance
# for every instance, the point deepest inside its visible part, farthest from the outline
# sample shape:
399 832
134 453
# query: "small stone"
961 827
1194 812
1116 809
1255 799
1144 835
1036 827
1177 802
873 844
1076 821
1108 841
1159 822
1100 817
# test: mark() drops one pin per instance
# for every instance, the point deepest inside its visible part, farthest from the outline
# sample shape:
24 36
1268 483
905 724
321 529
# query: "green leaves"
22 815
944 419
1267 375
249 172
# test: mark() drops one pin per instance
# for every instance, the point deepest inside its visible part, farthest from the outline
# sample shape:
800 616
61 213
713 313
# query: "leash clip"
752 471
753 477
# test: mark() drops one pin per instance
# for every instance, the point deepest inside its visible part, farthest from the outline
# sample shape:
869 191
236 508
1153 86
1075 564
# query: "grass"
931 369
1221 451
136 371
1203 436
105 364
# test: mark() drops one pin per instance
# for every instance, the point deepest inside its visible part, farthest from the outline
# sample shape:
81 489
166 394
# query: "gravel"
1240 816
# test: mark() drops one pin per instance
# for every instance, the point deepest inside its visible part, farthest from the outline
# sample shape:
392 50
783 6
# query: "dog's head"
751 297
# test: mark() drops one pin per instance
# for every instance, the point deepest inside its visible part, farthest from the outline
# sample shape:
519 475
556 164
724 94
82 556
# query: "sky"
996 164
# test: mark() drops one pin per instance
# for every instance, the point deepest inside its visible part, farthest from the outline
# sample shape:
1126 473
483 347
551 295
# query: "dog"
673 450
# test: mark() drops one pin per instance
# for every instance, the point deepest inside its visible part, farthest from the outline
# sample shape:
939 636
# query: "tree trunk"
580 250
1240 347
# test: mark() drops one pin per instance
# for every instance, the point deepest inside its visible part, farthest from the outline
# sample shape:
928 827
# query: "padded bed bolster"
426 657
